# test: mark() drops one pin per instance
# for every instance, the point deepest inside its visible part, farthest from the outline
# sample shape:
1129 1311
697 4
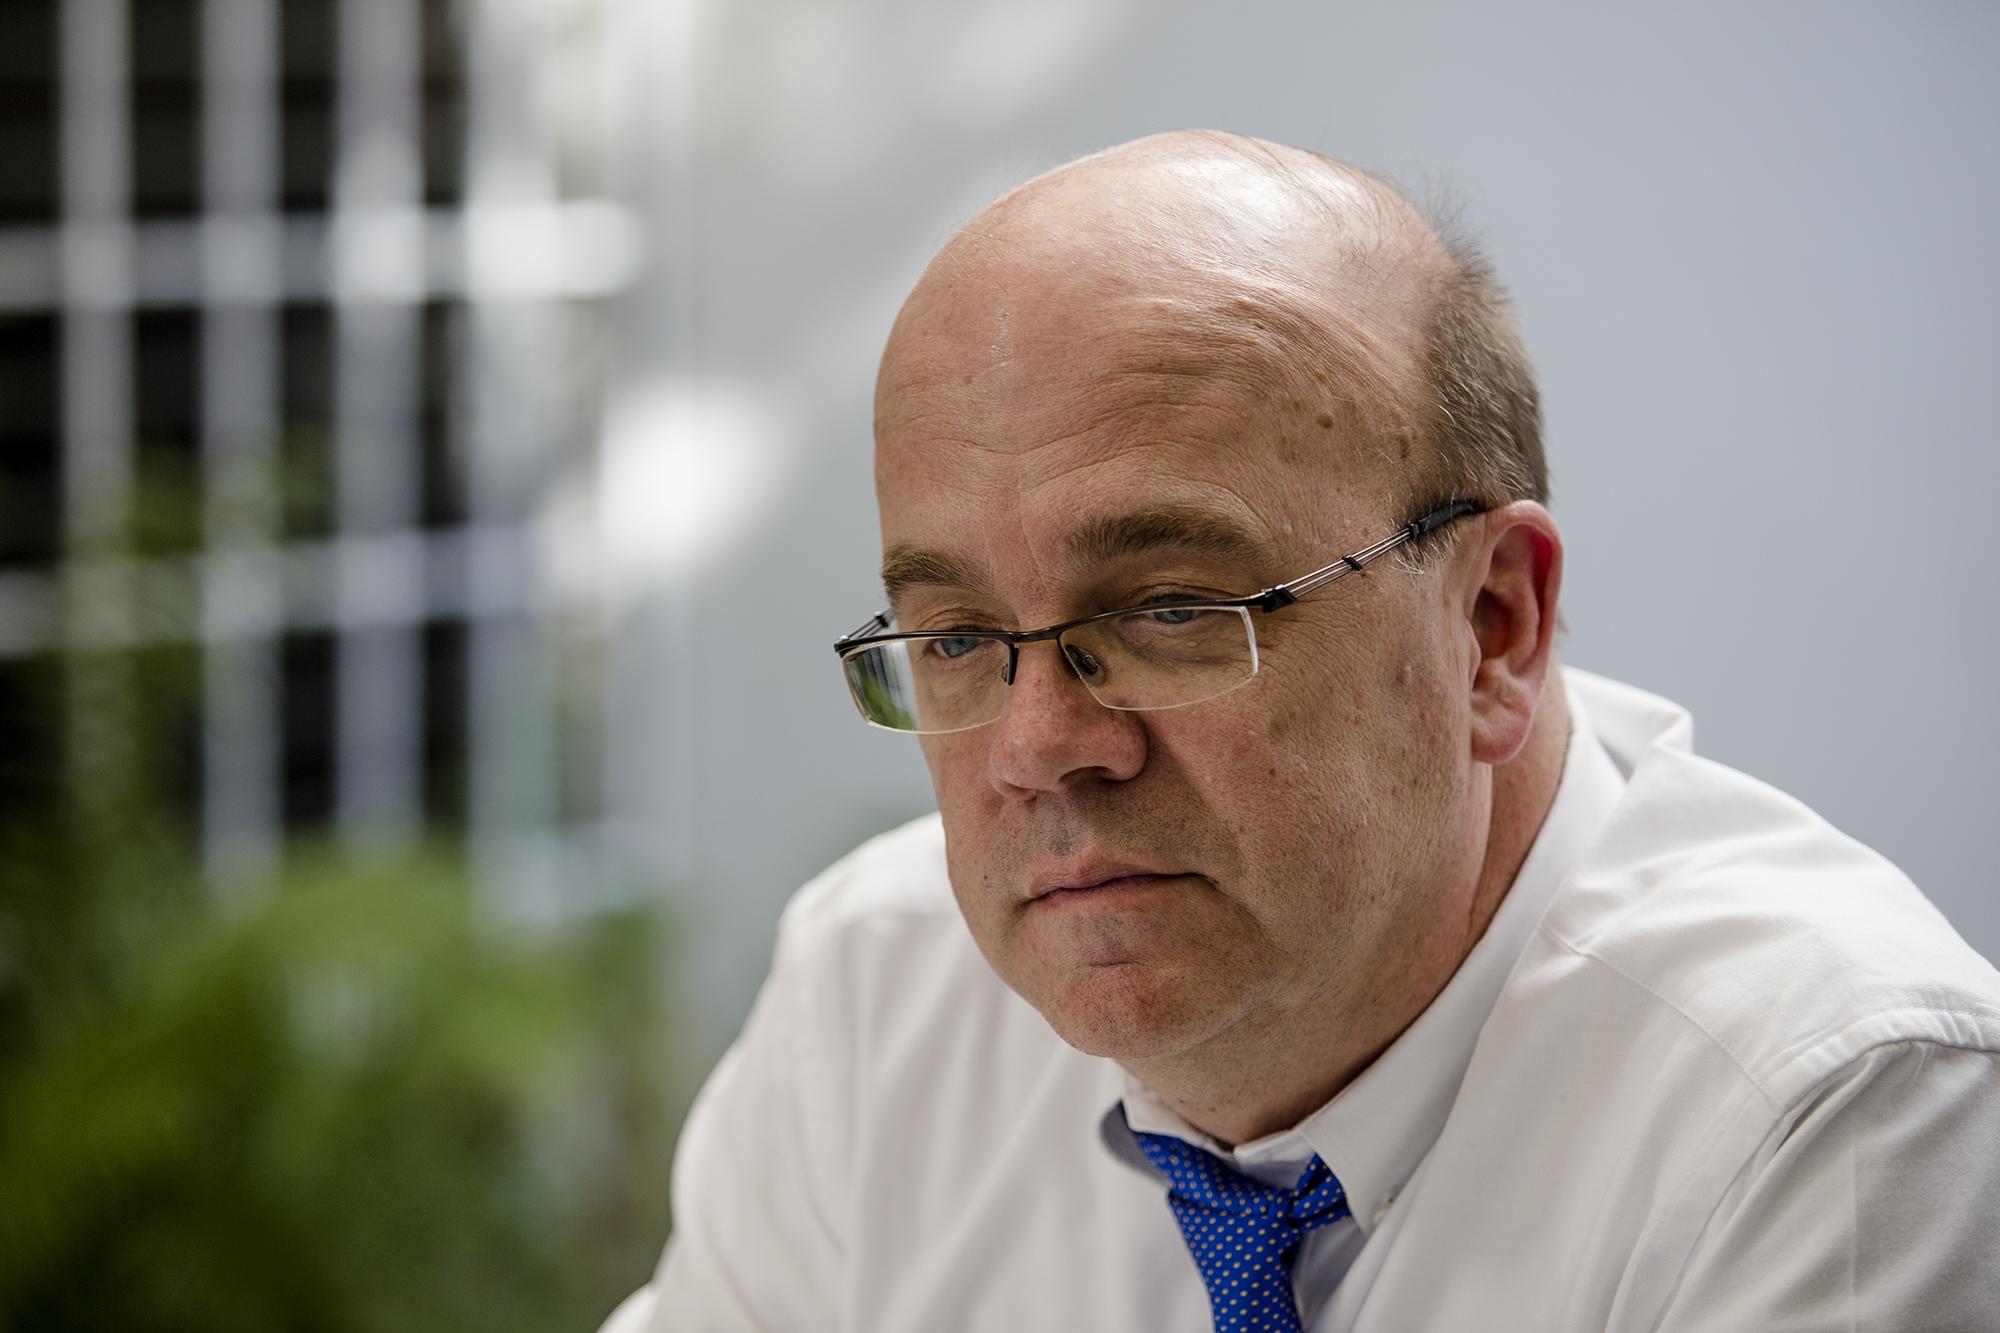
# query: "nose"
1052 732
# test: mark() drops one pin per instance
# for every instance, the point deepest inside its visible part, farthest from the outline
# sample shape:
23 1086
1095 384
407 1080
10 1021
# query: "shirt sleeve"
633 1314
1870 1207
754 1244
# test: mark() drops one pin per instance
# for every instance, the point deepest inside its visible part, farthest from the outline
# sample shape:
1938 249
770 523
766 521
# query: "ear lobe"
1513 617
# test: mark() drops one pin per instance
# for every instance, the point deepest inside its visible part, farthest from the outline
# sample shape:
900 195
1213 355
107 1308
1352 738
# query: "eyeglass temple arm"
875 624
1284 594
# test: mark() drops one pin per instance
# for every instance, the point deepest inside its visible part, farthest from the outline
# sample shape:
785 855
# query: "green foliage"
353 1103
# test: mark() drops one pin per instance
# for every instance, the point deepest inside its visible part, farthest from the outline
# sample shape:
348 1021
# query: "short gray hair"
1482 419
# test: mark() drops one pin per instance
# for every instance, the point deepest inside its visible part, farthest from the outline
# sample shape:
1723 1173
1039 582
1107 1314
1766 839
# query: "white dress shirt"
1712 1066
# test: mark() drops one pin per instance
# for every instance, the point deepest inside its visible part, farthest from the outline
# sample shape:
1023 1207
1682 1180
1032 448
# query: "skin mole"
1326 421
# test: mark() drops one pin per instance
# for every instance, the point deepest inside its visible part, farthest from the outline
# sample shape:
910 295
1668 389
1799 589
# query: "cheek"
1374 692
1350 753
1314 731
1269 786
957 762
967 802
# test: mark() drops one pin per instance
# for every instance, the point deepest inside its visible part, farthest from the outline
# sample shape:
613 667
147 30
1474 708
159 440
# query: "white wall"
1752 245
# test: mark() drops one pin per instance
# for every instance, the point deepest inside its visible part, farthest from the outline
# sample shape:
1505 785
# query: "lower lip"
1120 892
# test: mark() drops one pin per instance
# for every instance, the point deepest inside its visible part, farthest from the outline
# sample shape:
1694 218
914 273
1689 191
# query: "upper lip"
1087 875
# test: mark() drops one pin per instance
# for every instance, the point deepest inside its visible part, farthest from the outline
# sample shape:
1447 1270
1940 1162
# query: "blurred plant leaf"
359 1104
322 1113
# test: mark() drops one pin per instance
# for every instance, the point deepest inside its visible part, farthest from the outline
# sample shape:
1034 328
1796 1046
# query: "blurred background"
434 464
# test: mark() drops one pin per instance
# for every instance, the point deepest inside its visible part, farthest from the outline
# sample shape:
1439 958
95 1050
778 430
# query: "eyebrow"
905 567
1179 528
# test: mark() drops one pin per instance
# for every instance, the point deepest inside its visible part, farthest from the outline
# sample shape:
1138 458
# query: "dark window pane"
166 107
305 442
30 500
443 103
167 494
28 187
443 468
27 41
30 459
28 147
30 733
445 692
166 41
306 673
307 60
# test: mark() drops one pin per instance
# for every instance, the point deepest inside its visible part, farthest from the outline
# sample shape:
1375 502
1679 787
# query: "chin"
1132 1012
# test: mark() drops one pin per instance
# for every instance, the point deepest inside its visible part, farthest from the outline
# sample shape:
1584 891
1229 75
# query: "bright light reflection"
690 468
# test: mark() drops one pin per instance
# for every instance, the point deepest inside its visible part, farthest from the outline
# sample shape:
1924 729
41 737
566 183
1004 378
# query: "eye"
1165 607
955 647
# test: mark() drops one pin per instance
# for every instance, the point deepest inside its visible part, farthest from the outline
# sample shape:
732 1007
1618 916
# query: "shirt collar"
1377 1129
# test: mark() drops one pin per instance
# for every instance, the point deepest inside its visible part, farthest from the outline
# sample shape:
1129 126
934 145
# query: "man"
1298 945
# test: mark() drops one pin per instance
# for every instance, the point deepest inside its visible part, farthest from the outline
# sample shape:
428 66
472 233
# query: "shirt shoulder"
875 944
895 876
1790 946
1719 972
875 958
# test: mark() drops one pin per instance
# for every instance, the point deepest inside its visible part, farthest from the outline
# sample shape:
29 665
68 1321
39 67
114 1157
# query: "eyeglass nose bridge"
1081 662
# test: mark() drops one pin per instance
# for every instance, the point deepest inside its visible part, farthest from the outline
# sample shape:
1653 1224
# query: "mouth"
1101 878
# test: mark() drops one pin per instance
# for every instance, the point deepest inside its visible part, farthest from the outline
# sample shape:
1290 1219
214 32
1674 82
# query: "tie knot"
1242 1233
1318 1198
1201 1178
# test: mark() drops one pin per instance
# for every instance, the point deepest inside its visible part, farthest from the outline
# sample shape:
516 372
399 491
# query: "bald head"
1275 270
1224 203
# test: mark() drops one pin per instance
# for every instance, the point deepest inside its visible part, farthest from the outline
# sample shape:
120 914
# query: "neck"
1238 1104
1523 791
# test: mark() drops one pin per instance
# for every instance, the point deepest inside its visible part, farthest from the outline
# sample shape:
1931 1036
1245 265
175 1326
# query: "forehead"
1012 438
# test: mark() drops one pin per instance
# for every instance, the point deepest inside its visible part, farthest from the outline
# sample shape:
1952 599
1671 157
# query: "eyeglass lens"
1150 658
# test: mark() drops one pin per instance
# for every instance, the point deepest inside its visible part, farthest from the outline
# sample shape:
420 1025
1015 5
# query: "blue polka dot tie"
1243 1233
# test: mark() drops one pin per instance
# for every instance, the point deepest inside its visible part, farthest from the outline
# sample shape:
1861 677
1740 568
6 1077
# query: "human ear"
1512 609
